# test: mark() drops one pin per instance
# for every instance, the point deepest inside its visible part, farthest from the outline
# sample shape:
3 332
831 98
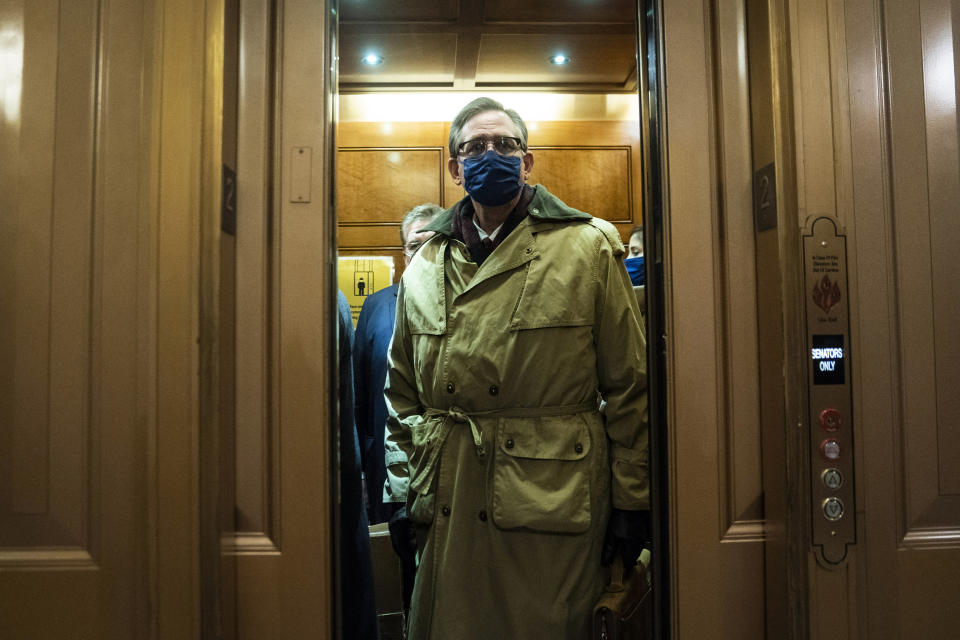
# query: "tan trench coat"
493 398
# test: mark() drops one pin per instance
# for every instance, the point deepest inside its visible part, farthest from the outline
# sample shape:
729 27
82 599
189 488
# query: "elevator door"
890 137
107 147
68 406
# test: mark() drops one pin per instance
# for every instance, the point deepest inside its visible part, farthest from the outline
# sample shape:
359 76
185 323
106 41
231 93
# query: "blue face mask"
638 275
493 179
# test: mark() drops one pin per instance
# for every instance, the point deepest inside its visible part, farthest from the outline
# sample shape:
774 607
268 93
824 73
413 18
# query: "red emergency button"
830 419
830 449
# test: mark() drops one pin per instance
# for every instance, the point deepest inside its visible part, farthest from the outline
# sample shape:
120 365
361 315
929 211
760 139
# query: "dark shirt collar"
462 227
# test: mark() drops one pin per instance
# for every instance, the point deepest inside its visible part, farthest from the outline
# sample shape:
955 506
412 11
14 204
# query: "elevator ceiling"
465 45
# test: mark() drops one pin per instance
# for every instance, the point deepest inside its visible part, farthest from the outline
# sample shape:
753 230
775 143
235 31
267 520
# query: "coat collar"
517 249
544 207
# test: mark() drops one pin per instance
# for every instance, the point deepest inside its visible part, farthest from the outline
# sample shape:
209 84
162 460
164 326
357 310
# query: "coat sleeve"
622 375
403 407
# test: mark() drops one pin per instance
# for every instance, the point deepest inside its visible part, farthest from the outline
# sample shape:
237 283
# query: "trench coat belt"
455 414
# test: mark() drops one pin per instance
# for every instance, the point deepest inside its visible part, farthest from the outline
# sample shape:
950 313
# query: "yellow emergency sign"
361 276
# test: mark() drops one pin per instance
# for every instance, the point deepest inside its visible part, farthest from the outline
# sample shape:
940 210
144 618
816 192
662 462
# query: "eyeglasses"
503 145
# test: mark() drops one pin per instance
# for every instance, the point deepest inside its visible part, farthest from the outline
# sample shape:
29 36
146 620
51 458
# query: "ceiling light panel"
425 59
606 59
572 11
398 10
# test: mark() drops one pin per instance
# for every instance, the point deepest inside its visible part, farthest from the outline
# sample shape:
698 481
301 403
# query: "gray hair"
475 108
426 211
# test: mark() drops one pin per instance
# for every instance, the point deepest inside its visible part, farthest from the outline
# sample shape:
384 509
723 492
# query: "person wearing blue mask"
634 259
512 323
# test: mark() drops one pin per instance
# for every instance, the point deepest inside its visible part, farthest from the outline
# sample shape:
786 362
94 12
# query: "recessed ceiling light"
559 59
372 59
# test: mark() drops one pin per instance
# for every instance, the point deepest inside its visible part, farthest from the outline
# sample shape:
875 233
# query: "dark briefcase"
624 611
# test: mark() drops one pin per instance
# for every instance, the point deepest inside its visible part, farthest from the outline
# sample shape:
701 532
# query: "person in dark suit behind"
374 330
357 607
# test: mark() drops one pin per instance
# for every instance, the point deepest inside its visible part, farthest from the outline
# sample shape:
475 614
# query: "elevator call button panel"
830 428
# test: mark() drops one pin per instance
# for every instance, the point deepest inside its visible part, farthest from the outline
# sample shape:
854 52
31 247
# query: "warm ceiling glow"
441 106
372 59
559 59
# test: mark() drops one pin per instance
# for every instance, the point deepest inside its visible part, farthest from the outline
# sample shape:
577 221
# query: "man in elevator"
512 325
374 330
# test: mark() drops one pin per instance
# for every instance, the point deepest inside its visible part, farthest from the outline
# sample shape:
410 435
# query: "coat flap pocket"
542 475
545 438
554 296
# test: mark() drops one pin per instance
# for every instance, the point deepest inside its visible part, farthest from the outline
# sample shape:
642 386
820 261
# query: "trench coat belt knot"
455 414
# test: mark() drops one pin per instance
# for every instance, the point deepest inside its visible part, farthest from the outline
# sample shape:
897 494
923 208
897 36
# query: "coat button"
494 389
509 443
450 387
445 510
578 448
483 516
